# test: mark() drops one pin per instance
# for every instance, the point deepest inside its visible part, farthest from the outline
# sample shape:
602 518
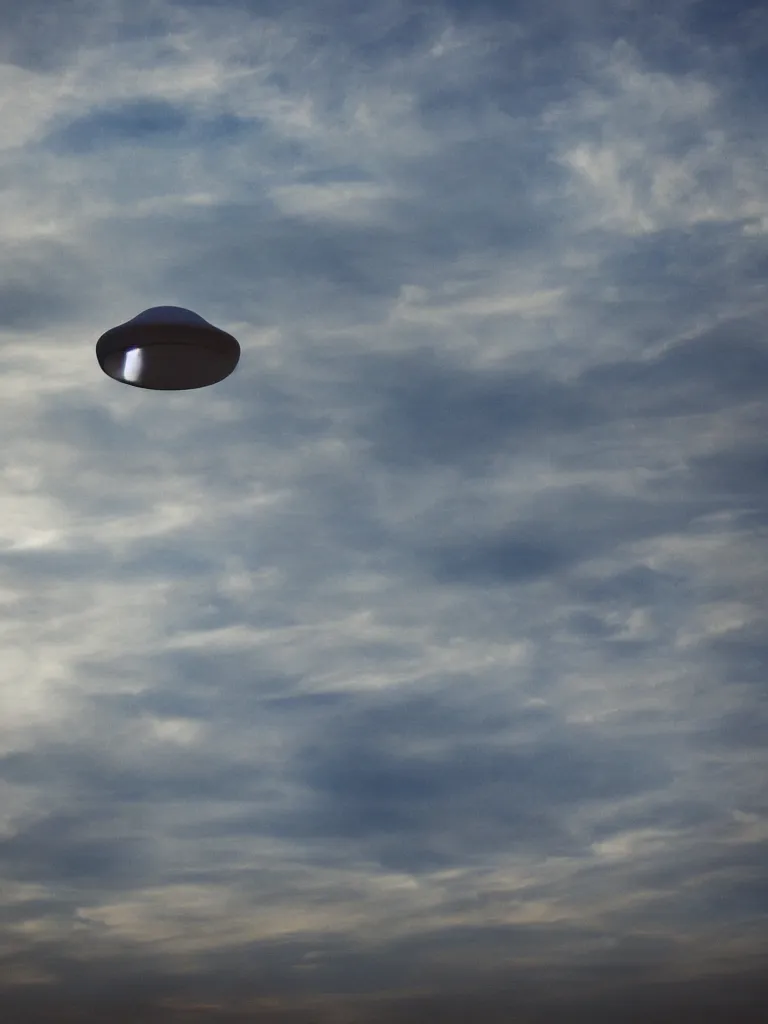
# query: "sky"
417 671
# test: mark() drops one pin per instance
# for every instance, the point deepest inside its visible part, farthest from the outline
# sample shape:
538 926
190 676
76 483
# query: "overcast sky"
417 671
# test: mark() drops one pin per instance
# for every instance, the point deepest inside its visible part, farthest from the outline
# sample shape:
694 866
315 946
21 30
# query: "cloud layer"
417 671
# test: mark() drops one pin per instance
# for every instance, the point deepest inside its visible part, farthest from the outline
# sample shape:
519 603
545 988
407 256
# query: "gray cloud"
142 122
461 798
38 36
416 671
41 283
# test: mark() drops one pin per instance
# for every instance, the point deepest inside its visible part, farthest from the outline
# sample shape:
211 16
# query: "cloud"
416 670
40 284
145 120
421 793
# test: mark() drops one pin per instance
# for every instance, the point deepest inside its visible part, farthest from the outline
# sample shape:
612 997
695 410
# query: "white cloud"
650 151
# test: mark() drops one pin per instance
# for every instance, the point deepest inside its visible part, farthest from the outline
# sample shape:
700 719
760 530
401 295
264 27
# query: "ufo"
167 348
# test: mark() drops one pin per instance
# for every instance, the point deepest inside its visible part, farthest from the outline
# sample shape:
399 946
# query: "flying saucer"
167 348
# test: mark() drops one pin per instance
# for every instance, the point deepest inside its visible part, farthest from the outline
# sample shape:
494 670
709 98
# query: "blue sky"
417 671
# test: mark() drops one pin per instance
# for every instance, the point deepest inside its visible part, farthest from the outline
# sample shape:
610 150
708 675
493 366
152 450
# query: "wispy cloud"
417 670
